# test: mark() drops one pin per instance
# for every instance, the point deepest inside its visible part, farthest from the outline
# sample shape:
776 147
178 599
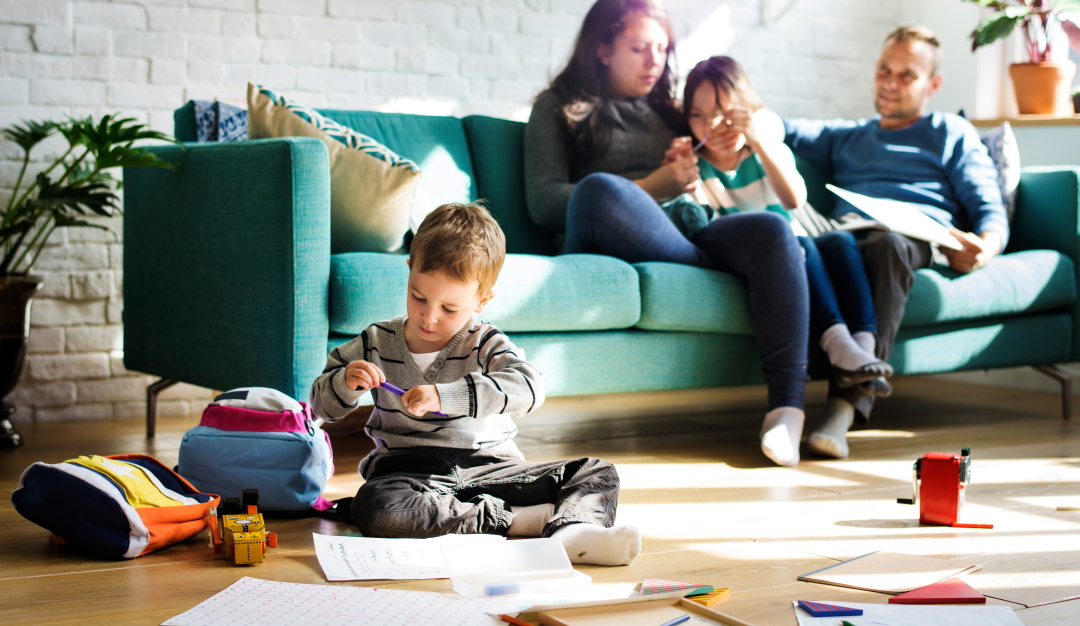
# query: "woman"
595 147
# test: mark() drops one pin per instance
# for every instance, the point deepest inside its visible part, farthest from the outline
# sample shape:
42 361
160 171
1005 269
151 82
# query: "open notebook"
890 572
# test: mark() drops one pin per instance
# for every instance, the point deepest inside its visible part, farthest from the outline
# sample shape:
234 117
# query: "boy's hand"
362 376
422 399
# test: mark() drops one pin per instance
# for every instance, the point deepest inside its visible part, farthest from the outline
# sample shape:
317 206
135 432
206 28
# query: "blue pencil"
677 620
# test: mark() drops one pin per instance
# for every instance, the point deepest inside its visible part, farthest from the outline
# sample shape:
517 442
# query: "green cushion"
436 143
817 195
534 293
681 297
498 151
184 123
1021 282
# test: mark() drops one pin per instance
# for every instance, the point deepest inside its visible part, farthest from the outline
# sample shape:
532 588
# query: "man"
934 160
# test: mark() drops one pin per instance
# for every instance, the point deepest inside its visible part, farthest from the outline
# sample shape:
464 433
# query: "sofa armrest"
227 264
1047 216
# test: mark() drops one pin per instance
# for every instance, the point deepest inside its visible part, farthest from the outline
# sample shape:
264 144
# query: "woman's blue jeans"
611 215
839 289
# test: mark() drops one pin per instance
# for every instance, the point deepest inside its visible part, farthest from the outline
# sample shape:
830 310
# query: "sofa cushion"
1021 282
371 188
534 293
680 297
436 143
498 157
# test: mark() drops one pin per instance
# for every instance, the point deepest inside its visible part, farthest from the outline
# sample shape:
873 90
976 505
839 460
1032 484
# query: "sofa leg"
152 392
1065 380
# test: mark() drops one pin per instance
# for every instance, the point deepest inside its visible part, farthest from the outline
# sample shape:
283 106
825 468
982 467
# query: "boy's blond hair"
914 32
462 240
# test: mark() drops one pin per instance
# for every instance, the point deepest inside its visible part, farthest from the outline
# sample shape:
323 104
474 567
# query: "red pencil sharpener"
939 482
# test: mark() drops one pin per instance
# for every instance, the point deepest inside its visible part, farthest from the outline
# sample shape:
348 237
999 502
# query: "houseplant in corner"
1041 85
73 186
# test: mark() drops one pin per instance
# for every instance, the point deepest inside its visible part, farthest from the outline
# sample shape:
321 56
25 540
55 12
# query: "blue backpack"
259 438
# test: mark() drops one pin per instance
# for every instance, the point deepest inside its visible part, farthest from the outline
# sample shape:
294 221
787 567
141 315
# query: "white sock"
780 435
589 544
829 436
866 341
844 352
529 521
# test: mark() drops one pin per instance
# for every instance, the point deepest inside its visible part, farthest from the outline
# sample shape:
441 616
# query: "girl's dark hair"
728 77
582 86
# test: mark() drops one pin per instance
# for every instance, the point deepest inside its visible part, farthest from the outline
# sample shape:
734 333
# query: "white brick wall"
61 57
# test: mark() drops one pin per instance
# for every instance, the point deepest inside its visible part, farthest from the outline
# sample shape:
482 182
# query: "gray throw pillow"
1001 143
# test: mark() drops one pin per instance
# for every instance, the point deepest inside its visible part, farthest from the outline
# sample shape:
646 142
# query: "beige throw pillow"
371 187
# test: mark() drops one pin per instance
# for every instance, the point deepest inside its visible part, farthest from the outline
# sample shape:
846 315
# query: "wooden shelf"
1030 120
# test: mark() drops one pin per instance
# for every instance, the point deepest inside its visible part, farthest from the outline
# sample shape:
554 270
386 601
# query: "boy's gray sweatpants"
428 492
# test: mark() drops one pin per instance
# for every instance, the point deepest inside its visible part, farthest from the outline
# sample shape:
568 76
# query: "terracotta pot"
16 296
1042 88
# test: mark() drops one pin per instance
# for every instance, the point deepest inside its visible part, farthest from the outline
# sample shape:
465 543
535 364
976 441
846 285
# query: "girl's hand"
422 399
362 376
740 120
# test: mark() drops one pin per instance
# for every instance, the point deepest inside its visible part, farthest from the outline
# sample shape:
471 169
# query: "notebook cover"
889 572
952 591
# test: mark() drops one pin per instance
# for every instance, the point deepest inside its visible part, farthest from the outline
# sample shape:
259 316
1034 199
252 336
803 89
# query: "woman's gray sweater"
639 139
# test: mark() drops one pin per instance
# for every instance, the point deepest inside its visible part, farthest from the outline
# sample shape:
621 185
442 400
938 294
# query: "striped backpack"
116 507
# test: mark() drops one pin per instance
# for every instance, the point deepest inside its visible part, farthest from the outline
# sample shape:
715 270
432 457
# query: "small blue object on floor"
677 620
818 609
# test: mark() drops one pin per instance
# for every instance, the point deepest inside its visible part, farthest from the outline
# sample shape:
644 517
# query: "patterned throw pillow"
371 187
1001 143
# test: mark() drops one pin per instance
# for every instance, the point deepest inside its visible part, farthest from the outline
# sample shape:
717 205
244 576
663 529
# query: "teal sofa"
229 280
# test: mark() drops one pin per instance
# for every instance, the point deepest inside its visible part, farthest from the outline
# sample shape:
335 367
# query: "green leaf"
80 196
67 220
993 4
15 229
998 25
30 133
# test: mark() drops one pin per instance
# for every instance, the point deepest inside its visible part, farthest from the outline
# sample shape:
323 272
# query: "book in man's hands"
899 217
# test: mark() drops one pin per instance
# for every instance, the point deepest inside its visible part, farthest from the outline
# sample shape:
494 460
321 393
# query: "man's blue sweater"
937 163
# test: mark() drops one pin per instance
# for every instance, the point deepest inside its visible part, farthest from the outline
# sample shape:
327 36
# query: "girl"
742 170
595 171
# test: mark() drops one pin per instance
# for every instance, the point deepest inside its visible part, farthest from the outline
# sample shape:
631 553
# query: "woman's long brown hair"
582 86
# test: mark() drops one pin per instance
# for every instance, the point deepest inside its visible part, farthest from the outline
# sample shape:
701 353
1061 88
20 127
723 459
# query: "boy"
445 460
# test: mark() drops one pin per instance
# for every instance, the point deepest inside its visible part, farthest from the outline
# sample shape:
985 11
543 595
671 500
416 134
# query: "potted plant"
1041 85
75 185
1076 100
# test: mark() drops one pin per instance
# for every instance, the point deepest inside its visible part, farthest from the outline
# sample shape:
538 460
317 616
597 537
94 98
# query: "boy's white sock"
781 433
589 544
844 352
529 521
866 341
829 436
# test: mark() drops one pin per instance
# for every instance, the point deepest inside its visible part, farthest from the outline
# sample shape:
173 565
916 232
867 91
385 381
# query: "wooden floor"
712 508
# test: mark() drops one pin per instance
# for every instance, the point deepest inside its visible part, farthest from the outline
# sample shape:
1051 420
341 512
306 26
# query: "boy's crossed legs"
429 492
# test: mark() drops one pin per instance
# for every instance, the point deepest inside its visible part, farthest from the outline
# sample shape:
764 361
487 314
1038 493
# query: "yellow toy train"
237 529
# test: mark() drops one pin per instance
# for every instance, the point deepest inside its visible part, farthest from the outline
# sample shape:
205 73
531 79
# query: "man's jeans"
429 492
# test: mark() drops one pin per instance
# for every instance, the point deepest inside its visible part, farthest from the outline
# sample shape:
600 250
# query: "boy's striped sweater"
482 378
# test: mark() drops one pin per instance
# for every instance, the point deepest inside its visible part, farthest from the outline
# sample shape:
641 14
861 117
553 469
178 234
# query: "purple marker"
398 391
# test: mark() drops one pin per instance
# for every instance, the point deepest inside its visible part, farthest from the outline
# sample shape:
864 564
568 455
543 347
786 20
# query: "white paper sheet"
251 601
914 615
365 558
899 217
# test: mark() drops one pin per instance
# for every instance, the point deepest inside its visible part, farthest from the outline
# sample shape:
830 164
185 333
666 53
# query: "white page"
914 615
251 601
900 217
366 558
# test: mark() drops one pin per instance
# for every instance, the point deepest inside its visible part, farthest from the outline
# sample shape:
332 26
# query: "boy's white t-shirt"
424 360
